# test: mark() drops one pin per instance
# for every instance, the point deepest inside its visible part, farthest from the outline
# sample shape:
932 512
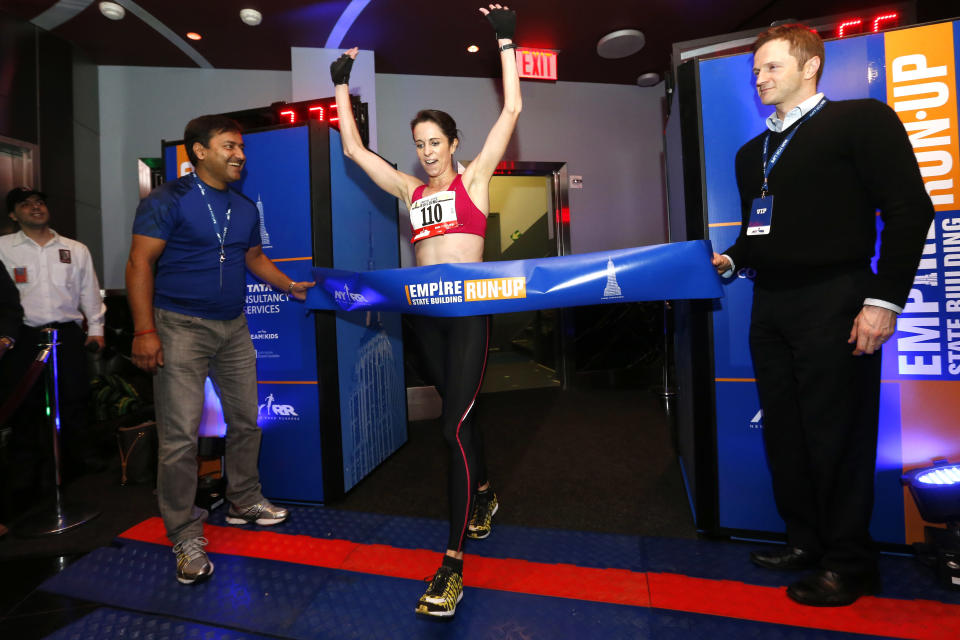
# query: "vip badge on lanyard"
761 210
221 238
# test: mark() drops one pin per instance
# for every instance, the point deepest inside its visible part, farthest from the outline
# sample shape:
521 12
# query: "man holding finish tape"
810 188
202 237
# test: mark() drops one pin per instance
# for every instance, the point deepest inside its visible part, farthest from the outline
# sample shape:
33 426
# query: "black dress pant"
820 414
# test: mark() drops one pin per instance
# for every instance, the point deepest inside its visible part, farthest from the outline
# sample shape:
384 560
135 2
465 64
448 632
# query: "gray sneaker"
192 561
261 513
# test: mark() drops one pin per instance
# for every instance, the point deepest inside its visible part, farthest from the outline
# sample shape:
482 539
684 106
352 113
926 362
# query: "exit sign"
539 64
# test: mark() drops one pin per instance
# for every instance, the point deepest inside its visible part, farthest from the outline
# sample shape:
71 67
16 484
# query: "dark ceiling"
427 37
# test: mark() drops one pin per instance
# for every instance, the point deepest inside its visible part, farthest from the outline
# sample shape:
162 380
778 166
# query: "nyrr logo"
347 296
757 421
272 410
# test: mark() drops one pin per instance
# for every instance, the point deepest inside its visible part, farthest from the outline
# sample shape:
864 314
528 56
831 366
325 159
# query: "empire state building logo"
264 236
612 290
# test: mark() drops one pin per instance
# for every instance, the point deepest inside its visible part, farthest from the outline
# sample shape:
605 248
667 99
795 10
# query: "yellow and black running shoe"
443 594
481 519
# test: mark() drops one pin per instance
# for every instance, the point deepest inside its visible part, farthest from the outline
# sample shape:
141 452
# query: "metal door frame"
556 172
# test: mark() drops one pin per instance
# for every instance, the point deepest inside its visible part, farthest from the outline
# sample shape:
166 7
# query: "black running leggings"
454 353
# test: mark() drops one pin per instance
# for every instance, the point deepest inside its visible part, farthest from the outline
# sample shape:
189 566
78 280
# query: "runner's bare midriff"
451 247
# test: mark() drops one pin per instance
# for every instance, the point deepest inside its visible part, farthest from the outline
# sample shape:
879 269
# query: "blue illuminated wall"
276 177
915 407
373 403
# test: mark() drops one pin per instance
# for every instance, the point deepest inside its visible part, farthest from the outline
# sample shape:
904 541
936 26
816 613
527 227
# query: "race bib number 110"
433 215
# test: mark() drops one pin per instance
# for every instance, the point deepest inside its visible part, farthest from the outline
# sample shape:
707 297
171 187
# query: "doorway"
19 167
529 218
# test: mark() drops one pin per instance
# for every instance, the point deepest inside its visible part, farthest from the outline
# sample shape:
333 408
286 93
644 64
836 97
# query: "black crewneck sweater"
842 165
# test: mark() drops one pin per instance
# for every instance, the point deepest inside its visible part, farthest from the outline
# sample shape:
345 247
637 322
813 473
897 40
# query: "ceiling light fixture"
112 10
251 17
620 44
649 79
193 35
473 48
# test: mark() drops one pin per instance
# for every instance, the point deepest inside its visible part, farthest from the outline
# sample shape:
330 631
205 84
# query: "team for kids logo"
452 291
263 334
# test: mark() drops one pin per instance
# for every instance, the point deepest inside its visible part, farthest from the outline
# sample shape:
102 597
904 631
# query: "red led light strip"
877 25
884 18
847 24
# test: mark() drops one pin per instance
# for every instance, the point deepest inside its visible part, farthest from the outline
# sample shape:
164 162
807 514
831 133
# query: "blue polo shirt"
188 271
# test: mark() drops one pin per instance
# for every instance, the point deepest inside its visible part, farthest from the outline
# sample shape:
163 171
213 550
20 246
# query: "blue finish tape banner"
661 272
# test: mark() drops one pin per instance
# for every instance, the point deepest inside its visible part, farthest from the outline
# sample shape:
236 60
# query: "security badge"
761 216
65 256
20 275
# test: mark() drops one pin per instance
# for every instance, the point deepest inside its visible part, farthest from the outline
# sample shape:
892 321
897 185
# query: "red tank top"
450 211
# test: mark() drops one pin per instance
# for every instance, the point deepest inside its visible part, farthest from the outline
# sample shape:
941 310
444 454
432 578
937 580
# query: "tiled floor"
336 574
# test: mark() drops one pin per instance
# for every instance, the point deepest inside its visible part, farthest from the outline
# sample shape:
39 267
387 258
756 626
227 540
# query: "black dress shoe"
784 558
826 588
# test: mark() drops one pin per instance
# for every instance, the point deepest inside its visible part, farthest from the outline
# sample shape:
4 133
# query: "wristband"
509 45
137 334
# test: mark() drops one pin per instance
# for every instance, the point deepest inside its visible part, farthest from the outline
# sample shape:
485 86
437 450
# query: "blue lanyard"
769 164
216 225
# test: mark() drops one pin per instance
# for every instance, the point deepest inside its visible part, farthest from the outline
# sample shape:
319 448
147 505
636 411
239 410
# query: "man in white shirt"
58 289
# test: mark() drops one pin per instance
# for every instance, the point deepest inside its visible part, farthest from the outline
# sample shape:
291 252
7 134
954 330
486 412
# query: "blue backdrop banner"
674 271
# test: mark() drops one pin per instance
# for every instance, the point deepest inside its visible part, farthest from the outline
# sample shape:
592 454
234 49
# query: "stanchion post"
64 516
667 391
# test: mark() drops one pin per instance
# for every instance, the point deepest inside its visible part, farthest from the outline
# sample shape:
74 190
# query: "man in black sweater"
810 188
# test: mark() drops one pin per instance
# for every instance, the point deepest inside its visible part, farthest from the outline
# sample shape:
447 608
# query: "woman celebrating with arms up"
448 216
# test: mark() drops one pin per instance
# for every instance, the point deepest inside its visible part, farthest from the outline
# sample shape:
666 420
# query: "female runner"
448 216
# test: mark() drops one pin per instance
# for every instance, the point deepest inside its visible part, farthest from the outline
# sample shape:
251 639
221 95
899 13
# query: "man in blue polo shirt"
193 241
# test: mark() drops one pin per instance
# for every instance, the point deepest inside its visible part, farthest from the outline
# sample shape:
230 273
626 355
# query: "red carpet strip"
890 617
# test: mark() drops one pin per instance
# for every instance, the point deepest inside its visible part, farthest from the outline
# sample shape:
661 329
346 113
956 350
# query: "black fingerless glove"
340 69
504 22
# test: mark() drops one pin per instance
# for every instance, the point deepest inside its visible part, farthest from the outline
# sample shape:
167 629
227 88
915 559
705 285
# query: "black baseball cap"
18 195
